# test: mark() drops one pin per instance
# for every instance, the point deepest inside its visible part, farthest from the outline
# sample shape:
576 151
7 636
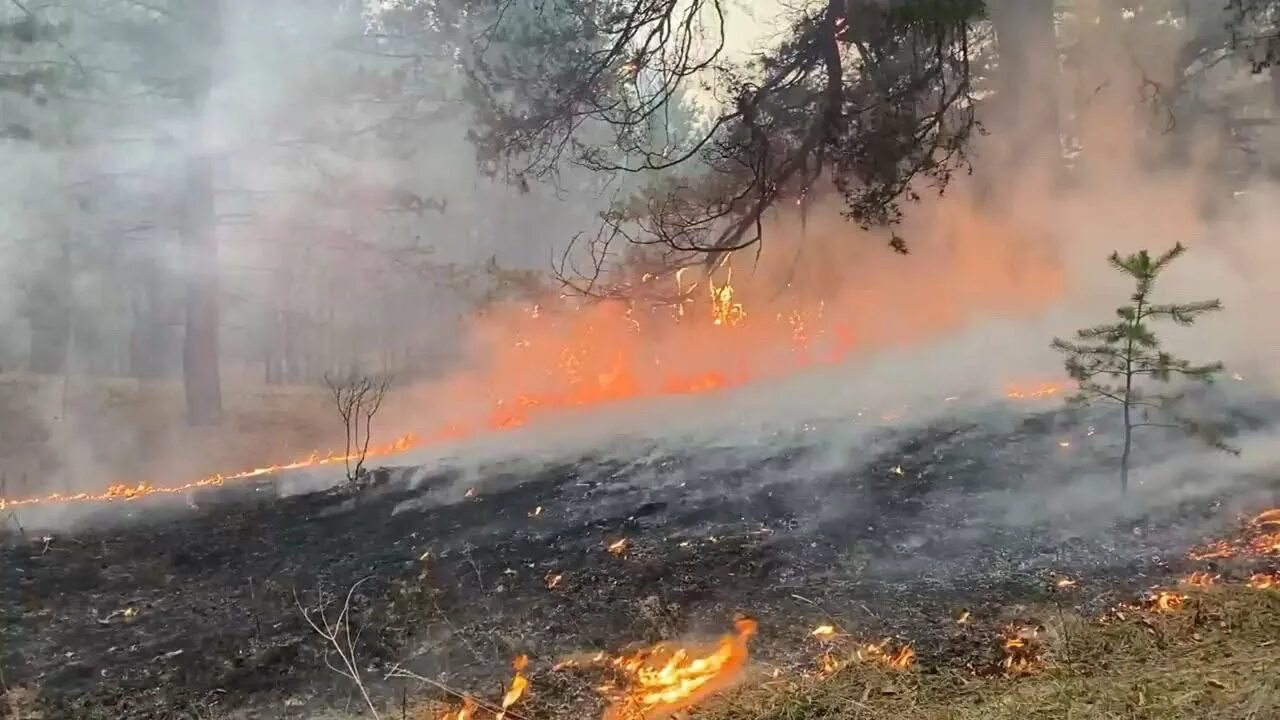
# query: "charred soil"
185 612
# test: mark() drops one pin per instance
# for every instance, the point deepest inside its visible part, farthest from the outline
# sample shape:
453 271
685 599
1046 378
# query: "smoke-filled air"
639 359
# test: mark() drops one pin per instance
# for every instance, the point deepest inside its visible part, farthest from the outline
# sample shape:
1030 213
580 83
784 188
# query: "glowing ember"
1065 582
964 617
535 512
661 680
519 683
899 658
617 547
1200 579
471 492
1021 648
824 632
1216 550
552 580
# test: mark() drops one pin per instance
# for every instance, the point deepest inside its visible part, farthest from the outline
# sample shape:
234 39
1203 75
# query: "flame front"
660 680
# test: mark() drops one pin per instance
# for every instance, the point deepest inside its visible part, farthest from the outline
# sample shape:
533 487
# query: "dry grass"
1216 658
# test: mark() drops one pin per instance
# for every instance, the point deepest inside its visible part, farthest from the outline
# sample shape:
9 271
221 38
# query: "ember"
617 547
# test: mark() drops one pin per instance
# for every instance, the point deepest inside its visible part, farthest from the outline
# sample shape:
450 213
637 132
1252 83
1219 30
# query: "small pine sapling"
1118 361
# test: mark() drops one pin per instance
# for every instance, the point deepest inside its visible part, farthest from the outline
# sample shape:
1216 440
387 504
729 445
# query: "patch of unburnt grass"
1216 657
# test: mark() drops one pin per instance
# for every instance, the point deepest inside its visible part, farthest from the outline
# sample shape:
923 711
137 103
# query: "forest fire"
540 363
663 679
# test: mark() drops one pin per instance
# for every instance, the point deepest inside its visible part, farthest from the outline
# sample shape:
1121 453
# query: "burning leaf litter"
665 678
1022 650
617 547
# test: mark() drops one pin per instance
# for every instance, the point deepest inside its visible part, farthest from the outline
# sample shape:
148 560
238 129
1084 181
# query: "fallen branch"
337 635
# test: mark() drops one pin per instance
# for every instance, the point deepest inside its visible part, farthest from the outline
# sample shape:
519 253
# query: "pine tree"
1113 362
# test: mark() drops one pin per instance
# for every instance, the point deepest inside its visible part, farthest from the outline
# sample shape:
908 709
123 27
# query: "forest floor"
198 613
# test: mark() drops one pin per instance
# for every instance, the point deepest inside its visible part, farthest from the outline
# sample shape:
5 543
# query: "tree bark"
200 242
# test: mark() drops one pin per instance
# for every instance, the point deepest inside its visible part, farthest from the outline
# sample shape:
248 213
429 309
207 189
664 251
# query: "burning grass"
1217 657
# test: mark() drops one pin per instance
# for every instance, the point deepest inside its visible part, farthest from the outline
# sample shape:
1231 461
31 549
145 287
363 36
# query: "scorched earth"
916 541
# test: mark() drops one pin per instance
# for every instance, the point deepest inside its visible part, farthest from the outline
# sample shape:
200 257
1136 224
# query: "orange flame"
1021 648
466 712
617 547
1264 581
1200 579
1257 539
899 658
519 683
1164 601
124 491
824 632
661 680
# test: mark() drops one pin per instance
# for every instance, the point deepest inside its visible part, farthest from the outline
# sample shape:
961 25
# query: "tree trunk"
49 312
200 344
200 241
1128 445
1027 82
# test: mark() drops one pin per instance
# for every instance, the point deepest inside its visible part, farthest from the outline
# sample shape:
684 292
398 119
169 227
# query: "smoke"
356 232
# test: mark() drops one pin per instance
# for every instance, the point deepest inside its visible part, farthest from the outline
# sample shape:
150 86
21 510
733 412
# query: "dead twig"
338 637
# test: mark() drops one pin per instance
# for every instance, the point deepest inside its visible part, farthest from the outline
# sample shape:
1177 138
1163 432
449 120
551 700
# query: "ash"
888 532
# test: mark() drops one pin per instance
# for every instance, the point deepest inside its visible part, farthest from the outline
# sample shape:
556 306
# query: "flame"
1268 517
1033 392
519 683
1065 582
660 680
899 658
1020 645
134 491
963 618
1164 601
1200 579
1264 581
551 356
824 632
535 512
552 580
1257 539
724 311
466 712
617 547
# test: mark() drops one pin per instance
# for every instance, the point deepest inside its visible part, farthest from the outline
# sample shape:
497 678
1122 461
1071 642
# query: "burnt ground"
194 613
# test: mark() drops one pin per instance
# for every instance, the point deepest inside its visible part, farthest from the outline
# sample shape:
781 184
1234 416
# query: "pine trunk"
200 242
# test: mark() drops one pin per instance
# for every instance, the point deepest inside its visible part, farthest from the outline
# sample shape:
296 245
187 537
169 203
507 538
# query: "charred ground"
890 534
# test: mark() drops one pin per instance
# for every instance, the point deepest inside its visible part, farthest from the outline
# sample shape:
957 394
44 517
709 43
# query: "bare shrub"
358 399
